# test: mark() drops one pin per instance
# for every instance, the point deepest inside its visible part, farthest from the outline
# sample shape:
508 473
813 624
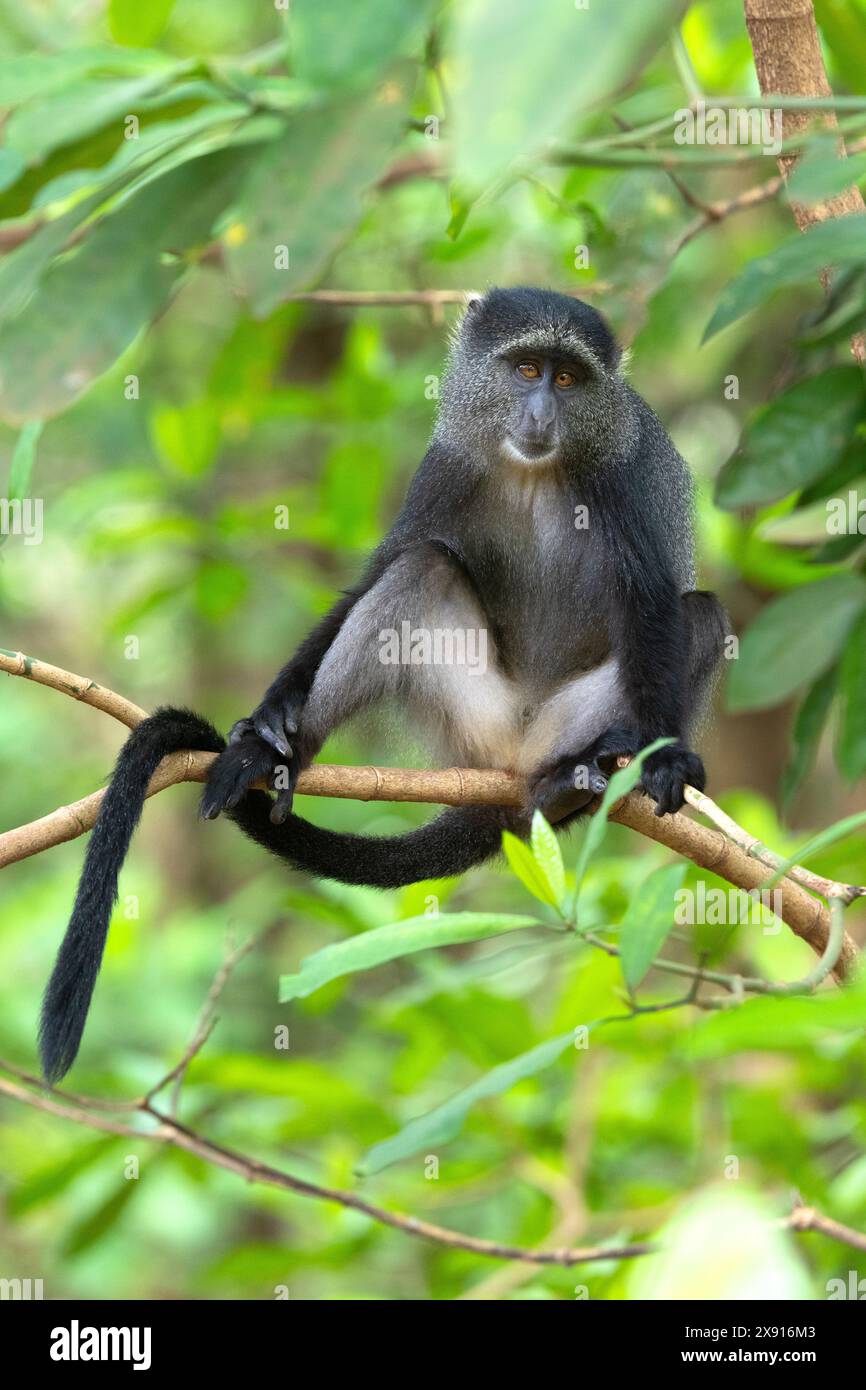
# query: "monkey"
552 516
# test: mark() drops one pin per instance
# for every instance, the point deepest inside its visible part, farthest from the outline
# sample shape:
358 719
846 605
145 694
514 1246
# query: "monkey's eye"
529 370
564 379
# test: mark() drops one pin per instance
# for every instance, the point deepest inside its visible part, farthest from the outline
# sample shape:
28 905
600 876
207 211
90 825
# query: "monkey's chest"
542 589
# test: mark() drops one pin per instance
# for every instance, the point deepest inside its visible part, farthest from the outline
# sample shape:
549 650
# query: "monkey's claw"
241 764
567 787
276 721
667 773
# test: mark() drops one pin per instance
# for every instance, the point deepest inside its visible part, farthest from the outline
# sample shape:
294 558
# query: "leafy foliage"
214 457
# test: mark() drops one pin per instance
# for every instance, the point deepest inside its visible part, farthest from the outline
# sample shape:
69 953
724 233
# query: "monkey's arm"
269 736
275 718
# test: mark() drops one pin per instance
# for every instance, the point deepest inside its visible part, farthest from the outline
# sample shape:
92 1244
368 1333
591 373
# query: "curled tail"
67 998
455 841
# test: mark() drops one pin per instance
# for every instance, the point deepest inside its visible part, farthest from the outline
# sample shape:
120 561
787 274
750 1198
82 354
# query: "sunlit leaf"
839 242
648 921
793 640
723 1244
525 866
442 1124
372 948
797 438
136 24
548 856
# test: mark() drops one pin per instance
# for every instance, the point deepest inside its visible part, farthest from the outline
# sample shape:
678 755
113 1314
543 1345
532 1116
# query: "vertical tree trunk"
789 62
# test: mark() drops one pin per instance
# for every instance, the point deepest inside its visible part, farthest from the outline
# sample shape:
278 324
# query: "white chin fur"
511 451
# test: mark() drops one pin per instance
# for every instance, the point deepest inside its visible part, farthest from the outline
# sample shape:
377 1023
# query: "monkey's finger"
282 807
239 730
265 729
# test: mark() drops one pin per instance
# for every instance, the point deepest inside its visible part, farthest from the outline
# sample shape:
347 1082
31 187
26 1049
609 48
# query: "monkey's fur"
596 642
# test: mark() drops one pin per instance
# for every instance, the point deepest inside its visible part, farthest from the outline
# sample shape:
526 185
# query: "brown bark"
789 62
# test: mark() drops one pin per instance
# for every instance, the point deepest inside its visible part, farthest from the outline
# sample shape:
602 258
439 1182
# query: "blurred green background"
216 400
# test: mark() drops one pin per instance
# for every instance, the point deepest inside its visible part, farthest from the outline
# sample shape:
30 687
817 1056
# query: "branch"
788 59
169 1130
806 916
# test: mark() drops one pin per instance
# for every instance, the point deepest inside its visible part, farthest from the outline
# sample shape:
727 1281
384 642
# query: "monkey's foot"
565 788
243 763
666 773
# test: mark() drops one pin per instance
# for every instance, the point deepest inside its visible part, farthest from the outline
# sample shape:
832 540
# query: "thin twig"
827 887
170 1131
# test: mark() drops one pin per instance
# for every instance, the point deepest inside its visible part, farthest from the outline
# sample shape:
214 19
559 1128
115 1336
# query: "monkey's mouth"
532 453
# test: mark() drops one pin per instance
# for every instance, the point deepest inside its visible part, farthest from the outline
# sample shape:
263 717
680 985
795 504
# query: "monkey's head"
533 380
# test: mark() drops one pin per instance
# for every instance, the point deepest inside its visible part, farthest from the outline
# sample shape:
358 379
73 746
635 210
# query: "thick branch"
806 915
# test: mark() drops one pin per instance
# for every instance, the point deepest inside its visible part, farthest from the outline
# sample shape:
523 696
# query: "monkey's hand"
275 720
666 773
248 759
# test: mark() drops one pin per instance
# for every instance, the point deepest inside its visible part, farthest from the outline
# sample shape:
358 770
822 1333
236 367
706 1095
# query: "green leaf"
187 437
793 640
852 734
328 51
442 1124
43 125
136 24
548 856
620 784
798 437
372 948
43 1184
647 923
26 76
808 727
305 193
525 866
90 305
522 71
104 1218
821 174
23 459
777 1025
839 242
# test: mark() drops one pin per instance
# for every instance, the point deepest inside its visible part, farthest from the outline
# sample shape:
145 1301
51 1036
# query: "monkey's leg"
468 706
708 625
564 783
420 636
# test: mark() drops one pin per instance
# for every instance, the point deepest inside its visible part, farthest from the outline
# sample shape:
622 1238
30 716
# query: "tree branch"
170 1130
806 915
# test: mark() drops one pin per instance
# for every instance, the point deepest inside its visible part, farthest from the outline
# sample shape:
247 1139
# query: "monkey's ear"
473 303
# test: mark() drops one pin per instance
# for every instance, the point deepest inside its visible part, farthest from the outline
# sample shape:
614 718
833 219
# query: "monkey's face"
533 381
542 394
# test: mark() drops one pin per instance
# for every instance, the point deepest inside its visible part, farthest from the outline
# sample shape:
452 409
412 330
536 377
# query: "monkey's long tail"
67 998
455 841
